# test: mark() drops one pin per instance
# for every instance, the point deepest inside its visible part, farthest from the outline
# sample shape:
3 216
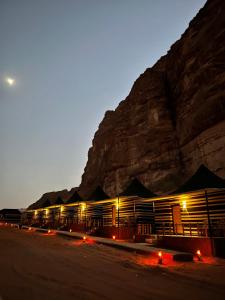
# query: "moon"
10 81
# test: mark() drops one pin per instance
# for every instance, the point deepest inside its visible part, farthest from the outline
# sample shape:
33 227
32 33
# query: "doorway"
177 222
114 215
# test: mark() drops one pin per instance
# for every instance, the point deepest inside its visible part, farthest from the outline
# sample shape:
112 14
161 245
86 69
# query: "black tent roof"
98 194
58 201
46 203
136 188
12 211
203 178
75 198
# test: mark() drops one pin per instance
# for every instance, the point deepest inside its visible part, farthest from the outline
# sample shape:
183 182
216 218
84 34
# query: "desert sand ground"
41 266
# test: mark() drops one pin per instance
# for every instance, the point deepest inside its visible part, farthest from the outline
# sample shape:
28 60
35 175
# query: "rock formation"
172 121
52 197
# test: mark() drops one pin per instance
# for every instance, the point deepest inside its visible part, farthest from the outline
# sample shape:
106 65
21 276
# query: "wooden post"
59 215
118 215
209 221
134 225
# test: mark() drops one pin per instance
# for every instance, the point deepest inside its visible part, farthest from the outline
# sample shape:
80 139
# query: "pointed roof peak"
136 188
46 203
58 200
98 194
75 198
203 178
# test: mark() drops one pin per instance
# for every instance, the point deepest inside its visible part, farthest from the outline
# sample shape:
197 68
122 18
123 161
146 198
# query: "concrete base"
140 248
187 244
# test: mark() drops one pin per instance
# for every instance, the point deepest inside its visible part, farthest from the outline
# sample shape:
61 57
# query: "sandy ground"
41 266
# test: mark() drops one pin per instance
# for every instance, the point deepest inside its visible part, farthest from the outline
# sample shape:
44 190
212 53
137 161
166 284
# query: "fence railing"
191 229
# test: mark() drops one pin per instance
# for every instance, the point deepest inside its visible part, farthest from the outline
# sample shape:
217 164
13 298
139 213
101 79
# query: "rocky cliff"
52 197
172 121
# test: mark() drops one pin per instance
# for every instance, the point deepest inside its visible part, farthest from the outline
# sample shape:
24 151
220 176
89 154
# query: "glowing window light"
36 212
117 205
183 202
61 208
83 206
46 212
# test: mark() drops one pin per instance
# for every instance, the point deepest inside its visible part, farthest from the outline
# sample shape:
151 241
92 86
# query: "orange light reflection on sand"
153 260
81 242
49 234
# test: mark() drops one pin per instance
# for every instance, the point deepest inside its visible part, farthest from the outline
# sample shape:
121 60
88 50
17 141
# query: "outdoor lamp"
160 257
199 255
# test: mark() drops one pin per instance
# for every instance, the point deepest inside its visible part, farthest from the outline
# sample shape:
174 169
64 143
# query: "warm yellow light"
84 238
199 255
83 206
183 201
117 205
46 212
49 231
29 228
10 81
114 237
160 261
61 208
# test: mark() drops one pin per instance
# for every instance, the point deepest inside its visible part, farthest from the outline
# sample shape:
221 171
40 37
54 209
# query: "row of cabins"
10 215
193 216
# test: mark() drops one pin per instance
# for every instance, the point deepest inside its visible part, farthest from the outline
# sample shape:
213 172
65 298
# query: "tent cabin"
197 208
98 194
72 210
74 198
202 179
95 208
132 208
9 215
53 212
43 212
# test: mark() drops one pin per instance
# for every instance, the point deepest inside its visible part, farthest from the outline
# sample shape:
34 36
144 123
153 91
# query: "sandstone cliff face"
52 196
172 121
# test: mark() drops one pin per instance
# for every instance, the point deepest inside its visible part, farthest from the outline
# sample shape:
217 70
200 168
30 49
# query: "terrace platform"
139 248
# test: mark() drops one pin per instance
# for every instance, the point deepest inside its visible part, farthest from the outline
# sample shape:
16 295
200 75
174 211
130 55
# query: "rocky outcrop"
172 121
52 197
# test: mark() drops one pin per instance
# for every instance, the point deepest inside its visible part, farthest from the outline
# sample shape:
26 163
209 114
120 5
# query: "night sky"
71 60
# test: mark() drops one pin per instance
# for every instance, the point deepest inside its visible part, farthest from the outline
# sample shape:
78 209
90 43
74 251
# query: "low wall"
219 246
187 244
124 233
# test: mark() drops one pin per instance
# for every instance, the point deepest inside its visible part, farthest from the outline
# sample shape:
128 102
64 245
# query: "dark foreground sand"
41 266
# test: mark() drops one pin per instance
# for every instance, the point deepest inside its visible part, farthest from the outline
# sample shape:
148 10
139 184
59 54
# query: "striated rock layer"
52 197
172 121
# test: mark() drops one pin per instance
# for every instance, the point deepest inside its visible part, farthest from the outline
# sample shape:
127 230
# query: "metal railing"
191 229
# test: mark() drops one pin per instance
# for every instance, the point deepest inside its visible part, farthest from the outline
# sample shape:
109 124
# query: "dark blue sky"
72 60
